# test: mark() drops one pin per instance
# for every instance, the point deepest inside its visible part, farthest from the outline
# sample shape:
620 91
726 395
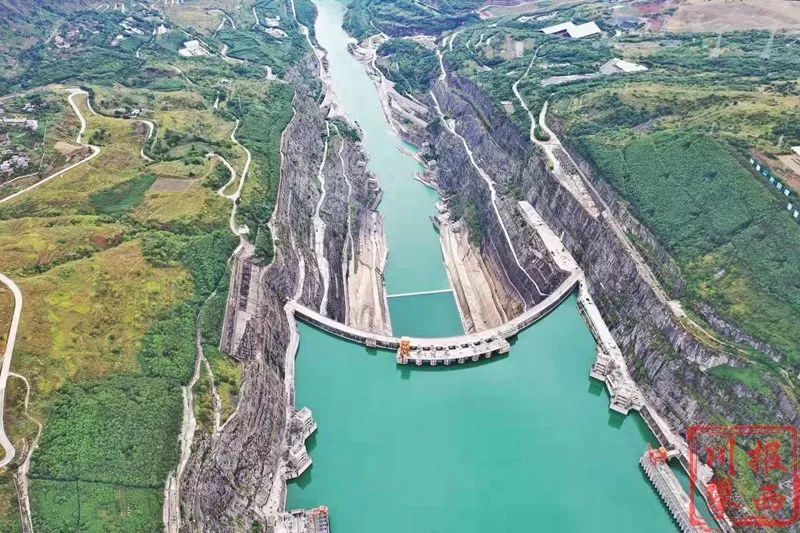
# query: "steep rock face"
663 357
348 199
335 213
657 257
304 145
229 476
461 183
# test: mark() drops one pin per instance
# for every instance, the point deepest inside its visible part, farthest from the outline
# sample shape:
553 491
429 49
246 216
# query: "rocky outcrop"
729 330
482 299
658 258
227 482
468 195
665 359
346 210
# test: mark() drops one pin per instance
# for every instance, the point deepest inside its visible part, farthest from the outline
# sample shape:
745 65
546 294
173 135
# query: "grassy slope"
115 273
261 129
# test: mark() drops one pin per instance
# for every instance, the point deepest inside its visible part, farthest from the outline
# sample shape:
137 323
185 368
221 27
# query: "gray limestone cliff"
228 479
667 361
467 194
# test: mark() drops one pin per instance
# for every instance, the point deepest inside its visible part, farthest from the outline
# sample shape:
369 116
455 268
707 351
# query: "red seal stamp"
750 473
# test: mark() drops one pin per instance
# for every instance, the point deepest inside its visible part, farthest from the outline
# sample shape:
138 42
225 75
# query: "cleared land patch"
196 208
724 16
173 185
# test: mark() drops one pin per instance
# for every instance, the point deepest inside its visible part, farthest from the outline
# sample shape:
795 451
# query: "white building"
576 31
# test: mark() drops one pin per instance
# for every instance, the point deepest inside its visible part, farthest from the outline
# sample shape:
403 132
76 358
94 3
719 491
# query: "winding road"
515 88
10 452
171 509
78 139
5 371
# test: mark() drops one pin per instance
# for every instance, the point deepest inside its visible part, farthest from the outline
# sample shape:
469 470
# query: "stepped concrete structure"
444 350
300 521
656 467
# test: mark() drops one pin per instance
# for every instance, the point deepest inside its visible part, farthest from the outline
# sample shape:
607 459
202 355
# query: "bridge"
444 350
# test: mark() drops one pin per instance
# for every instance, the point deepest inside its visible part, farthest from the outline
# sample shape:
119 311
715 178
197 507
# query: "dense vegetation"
731 237
83 439
125 258
405 17
261 48
411 66
672 141
261 128
120 198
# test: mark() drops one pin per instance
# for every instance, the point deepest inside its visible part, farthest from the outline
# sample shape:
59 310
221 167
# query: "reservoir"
520 443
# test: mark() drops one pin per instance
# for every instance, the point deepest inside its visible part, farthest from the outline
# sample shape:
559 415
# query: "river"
519 443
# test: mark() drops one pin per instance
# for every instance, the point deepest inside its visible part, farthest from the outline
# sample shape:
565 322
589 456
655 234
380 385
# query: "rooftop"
576 31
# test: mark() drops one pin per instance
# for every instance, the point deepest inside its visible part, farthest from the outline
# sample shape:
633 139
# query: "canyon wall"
351 192
227 482
663 357
464 190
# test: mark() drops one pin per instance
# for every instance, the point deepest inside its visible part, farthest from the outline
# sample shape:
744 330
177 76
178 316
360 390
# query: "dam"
486 444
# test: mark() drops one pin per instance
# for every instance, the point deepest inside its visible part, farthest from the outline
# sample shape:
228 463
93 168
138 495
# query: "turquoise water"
521 443
415 257
429 315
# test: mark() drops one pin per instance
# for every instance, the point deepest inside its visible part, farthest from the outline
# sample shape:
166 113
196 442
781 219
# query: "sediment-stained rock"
481 299
464 189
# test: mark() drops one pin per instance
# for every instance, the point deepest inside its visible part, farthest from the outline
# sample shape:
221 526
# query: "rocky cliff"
227 482
520 259
664 358
350 194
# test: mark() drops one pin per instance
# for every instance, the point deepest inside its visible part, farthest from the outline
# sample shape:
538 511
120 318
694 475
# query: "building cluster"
15 163
572 30
276 33
123 112
620 66
300 521
29 123
72 33
129 29
273 27
301 426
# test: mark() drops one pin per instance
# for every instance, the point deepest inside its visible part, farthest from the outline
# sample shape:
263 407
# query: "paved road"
78 139
6 368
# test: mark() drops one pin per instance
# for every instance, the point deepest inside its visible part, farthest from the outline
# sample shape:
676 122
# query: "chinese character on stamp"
755 478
